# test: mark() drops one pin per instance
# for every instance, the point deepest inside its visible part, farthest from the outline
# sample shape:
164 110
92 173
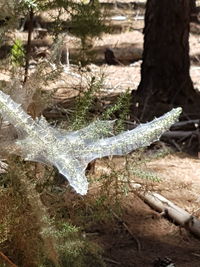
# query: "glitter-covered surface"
70 152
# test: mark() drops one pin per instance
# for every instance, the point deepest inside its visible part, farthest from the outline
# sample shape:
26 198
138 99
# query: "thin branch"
112 261
28 48
127 229
7 260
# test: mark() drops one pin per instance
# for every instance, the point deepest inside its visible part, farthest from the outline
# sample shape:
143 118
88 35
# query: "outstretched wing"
94 131
14 113
128 141
71 152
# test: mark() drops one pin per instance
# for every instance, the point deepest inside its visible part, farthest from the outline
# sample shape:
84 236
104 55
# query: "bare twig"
28 49
128 230
176 145
7 260
177 134
189 125
195 254
112 261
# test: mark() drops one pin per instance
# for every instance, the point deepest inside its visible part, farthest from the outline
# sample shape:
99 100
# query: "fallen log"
125 53
185 125
177 134
175 213
168 209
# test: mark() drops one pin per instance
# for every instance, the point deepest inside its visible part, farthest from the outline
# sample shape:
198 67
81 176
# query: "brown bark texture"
193 6
165 79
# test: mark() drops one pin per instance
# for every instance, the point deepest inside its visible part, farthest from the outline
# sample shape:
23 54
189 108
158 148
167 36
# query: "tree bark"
28 48
165 78
193 6
194 12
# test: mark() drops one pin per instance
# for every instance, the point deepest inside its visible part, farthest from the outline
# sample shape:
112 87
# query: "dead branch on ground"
170 210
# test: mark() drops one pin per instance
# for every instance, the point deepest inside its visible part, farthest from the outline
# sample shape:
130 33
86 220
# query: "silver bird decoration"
70 152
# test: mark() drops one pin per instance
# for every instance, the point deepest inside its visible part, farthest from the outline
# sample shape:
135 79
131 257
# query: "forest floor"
156 236
150 236
179 173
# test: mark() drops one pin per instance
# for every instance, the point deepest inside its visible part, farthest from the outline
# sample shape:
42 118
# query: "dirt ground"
154 236
151 235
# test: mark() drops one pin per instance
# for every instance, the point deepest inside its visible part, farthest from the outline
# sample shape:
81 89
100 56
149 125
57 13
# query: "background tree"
165 78
193 9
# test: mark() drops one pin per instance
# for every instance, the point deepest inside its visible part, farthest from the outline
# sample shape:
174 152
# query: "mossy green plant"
17 54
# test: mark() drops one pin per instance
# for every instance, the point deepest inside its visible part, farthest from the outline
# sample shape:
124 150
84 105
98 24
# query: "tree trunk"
165 79
194 13
193 6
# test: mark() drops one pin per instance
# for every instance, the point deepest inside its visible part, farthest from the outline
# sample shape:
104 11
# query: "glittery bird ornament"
70 152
